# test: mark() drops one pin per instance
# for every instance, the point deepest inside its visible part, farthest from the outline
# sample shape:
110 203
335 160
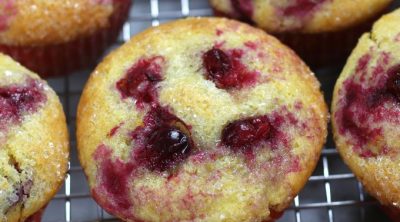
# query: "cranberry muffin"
59 36
366 111
197 118
321 31
33 143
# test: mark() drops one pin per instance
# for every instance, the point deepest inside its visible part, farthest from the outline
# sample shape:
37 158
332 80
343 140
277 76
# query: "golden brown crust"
41 22
38 145
197 102
329 16
379 174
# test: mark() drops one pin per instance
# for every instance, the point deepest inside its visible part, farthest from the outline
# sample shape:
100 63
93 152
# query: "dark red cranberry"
16 100
244 8
164 141
167 146
246 132
161 144
217 63
140 81
226 70
302 7
20 99
393 85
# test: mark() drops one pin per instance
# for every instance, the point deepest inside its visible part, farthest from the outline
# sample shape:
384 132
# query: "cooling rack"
332 193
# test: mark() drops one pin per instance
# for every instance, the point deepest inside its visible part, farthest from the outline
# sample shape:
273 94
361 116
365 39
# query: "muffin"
33 143
60 36
366 110
197 118
322 32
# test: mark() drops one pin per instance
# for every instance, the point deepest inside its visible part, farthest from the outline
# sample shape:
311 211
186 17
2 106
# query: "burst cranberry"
393 84
140 81
16 100
226 70
19 99
246 132
244 8
302 7
217 63
7 109
161 144
22 192
367 102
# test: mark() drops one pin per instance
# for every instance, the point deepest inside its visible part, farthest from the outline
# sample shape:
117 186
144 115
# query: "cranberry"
246 132
16 100
244 8
302 7
217 63
393 85
7 110
226 71
140 81
363 106
8 10
22 191
161 143
113 181
167 146
164 141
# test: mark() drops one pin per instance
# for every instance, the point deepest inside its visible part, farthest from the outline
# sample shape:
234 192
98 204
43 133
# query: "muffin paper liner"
64 58
324 49
393 213
321 49
37 217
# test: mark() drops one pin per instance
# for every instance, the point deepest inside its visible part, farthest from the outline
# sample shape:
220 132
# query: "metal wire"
331 171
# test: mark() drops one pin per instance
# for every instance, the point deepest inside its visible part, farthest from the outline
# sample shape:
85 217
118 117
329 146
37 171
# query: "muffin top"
41 22
306 16
197 118
33 142
366 110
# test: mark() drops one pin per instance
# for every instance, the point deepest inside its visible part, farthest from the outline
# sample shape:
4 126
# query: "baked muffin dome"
41 22
322 32
197 118
366 110
306 16
33 142
59 36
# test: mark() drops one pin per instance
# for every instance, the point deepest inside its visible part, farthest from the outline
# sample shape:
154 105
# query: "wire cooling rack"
332 193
